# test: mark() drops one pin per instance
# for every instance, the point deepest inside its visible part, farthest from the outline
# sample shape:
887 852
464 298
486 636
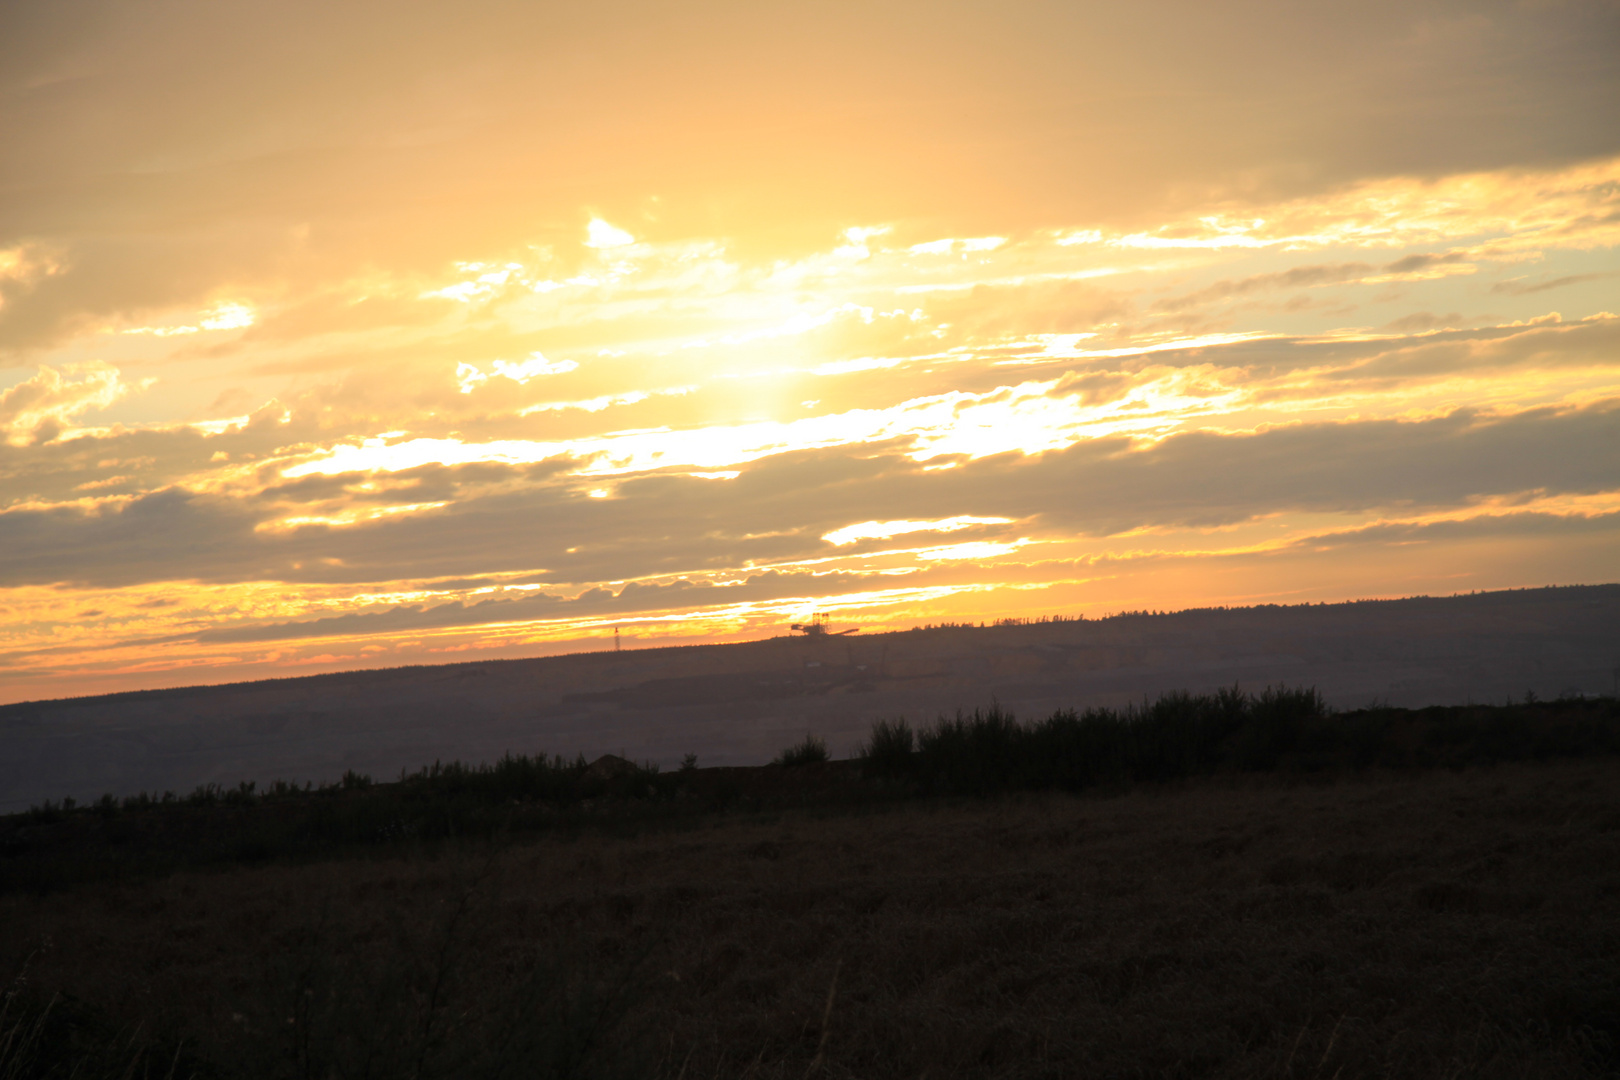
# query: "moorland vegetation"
1224 884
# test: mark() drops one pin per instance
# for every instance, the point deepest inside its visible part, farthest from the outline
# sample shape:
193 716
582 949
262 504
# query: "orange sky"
399 334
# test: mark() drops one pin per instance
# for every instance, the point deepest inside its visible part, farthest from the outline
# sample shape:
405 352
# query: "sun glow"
1028 418
220 317
883 530
688 435
469 377
599 234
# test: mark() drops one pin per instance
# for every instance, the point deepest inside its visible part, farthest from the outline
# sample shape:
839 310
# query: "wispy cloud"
429 351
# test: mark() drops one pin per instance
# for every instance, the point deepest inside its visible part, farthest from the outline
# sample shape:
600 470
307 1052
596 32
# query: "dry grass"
1445 924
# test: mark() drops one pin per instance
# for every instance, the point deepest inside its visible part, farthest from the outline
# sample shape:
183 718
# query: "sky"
359 335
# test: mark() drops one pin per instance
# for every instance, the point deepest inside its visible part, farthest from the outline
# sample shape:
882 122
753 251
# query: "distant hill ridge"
1493 597
742 703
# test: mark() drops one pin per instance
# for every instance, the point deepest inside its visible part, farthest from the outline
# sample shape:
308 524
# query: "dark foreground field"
1414 922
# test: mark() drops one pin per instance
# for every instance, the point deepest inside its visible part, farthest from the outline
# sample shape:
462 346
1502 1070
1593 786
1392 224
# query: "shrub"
985 752
1178 735
353 781
889 751
813 749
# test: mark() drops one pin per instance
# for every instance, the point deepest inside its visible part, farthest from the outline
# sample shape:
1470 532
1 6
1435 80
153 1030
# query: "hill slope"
740 704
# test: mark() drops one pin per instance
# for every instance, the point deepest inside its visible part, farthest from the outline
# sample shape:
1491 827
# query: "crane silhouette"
817 627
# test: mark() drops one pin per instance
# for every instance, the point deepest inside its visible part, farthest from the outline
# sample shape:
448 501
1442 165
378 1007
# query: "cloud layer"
369 335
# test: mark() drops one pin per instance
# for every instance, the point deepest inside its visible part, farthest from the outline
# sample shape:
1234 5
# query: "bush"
986 752
1178 735
889 752
1181 735
812 750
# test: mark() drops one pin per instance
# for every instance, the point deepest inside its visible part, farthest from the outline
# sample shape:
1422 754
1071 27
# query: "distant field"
1301 918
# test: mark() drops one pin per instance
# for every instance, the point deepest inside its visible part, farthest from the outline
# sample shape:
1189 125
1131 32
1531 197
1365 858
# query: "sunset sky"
359 335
